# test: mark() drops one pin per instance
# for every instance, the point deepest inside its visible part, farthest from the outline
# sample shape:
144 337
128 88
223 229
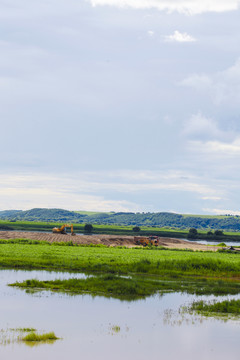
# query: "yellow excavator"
62 229
146 240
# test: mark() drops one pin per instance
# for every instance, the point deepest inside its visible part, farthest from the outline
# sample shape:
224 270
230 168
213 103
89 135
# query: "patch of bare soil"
109 240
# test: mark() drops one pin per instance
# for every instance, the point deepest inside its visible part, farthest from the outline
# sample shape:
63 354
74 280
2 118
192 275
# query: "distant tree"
136 229
88 228
218 232
192 233
210 233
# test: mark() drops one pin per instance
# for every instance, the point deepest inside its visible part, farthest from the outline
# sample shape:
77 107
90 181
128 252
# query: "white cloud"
29 191
27 9
189 7
220 148
214 198
222 212
199 126
206 137
179 37
222 87
199 82
82 191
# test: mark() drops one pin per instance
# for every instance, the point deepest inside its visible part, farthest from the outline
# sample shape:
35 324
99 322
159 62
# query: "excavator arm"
62 229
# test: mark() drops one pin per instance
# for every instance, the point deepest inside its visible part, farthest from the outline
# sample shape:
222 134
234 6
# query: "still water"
149 329
205 242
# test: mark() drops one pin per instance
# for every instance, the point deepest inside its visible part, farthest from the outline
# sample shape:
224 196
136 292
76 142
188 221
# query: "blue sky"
120 105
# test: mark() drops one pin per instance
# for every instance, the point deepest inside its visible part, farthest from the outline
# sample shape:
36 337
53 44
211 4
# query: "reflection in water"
178 318
6 337
32 344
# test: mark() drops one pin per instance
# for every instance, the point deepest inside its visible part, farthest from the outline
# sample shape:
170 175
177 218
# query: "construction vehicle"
62 229
154 240
146 240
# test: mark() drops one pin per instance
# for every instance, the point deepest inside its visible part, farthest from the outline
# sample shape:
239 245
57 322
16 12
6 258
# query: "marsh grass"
115 329
108 285
35 337
132 288
16 335
231 307
23 329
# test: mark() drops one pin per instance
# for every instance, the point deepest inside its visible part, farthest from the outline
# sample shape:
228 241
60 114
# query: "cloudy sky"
120 105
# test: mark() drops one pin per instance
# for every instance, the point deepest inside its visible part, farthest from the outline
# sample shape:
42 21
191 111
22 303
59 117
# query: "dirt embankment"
109 240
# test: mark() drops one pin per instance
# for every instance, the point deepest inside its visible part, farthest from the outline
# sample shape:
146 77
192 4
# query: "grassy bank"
92 259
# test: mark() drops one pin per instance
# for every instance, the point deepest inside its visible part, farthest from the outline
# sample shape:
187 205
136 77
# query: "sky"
120 105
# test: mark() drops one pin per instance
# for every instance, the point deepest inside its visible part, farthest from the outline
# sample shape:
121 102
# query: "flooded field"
100 328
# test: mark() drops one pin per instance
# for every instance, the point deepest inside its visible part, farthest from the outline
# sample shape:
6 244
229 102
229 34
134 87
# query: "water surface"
206 242
149 329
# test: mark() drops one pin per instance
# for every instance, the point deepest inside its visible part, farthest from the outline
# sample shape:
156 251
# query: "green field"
149 270
117 260
97 229
208 216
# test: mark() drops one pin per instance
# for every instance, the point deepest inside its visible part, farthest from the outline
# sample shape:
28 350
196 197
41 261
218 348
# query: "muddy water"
89 327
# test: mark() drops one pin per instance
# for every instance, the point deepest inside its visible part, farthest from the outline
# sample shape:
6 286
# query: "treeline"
158 220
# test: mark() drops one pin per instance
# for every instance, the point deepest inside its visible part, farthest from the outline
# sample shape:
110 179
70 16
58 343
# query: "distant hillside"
8 214
46 215
162 219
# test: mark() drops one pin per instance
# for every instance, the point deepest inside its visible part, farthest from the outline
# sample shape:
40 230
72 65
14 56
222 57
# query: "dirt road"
109 240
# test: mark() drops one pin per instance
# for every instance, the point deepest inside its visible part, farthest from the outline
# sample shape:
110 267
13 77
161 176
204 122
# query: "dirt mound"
109 240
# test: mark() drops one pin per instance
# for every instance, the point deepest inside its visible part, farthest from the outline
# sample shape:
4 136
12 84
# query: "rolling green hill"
159 220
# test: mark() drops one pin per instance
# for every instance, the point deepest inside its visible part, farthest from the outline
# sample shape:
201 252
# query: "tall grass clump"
33 336
222 307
